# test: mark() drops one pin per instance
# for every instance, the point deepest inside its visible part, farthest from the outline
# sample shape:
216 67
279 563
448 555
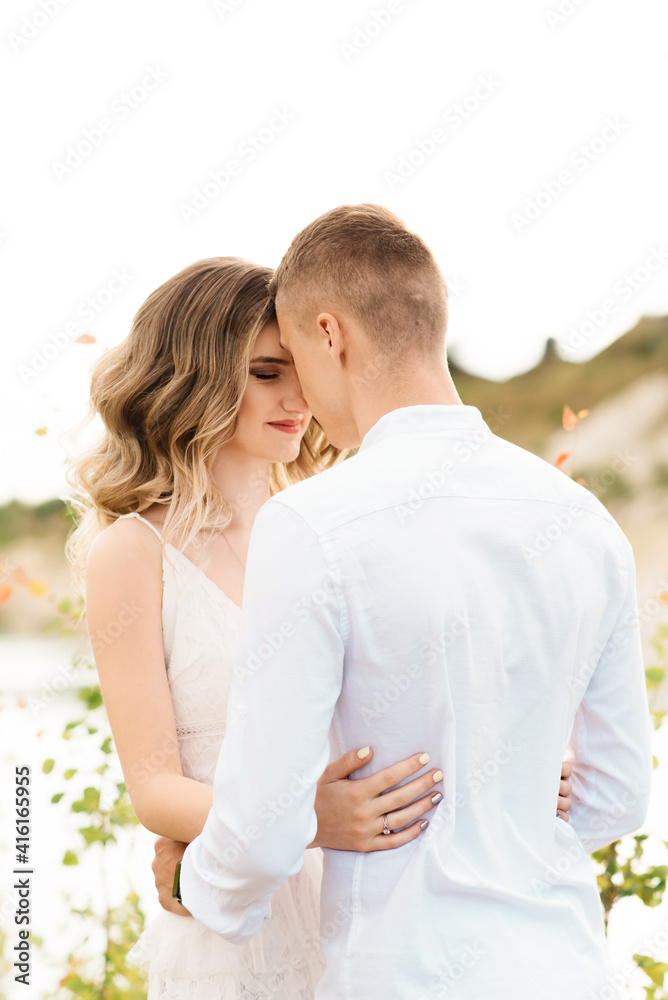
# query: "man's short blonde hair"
362 258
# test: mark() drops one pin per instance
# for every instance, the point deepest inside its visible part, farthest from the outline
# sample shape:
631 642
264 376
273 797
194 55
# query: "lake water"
37 698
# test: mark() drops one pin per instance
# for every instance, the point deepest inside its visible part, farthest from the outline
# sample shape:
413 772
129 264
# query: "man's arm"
611 738
288 676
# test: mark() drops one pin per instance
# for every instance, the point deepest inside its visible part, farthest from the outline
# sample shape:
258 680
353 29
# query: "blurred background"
525 141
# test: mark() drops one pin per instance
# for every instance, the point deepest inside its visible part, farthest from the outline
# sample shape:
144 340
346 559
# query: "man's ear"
333 335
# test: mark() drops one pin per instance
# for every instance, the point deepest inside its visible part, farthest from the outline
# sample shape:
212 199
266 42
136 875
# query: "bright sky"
525 141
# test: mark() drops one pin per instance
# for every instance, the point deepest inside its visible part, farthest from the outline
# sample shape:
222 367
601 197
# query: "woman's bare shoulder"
124 543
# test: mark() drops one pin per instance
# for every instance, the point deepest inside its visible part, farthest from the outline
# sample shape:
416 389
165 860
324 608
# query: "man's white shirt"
440 591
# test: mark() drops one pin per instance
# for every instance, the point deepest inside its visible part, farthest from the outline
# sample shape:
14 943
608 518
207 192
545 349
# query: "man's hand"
167 853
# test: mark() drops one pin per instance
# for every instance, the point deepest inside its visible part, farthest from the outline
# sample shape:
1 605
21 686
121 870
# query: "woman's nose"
294 397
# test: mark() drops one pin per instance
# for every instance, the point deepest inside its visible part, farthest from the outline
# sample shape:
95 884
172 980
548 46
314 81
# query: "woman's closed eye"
265 376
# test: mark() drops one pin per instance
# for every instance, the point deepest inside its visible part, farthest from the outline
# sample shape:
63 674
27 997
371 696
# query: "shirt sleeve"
611 737
287 679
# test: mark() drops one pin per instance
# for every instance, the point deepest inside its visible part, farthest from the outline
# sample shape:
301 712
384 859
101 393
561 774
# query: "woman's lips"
288 427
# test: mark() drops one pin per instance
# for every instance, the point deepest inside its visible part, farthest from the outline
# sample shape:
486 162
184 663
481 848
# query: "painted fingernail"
436 798
425 758
438 776
364 752
424 824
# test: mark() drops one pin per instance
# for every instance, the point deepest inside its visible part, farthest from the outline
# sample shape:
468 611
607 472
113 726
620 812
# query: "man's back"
480 588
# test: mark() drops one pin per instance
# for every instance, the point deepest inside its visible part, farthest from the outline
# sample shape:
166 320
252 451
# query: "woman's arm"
124 616
348 814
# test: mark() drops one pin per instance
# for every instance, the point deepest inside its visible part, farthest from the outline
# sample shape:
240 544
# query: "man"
403 593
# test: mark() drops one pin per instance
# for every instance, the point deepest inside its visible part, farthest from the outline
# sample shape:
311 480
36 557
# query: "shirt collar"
421 419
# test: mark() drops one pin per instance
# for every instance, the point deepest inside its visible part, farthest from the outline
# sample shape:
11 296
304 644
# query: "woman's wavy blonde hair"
169 396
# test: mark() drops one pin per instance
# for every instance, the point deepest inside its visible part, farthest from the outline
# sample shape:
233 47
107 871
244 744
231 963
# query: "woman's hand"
350 813
564 800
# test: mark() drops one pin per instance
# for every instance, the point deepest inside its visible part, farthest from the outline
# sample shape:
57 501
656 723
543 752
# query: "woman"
204 421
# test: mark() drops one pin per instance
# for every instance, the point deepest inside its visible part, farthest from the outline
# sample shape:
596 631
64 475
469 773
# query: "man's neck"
437 389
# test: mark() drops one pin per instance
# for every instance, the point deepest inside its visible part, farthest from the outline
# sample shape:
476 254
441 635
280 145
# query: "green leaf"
57 797
91 833
48 765
90 802
658 718
70 858
69 773
655 970
91 696
53 626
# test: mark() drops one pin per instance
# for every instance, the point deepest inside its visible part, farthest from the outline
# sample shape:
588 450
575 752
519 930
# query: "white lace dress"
184 959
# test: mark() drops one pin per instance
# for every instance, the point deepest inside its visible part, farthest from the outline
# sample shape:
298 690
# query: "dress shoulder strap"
135 514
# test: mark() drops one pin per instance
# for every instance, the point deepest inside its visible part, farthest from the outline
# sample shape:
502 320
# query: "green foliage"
623 875
656 972
654 676
660 642
622 872
18 519
69 618
661 474
99 812
606 484
109 977
648 345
